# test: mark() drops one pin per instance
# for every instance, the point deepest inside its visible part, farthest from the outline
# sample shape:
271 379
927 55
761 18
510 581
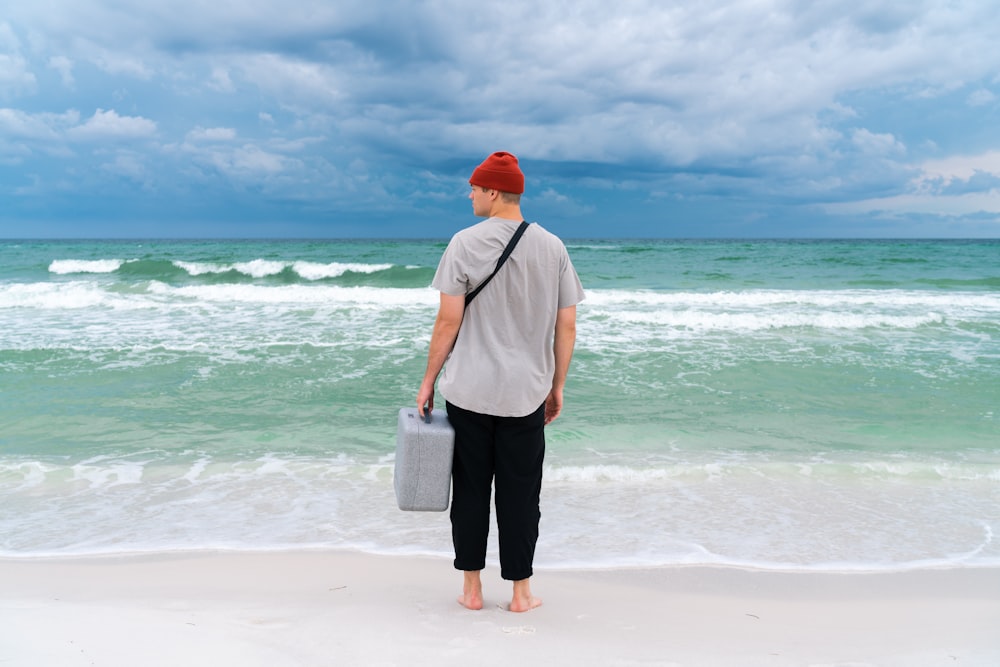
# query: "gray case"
423 461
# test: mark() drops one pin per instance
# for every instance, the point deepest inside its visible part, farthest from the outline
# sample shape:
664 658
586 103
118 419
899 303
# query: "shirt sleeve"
570 287
451 276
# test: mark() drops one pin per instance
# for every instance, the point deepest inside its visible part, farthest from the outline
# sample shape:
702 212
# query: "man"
508 355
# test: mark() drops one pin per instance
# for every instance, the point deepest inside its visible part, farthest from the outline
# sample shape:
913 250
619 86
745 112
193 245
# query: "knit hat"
499 172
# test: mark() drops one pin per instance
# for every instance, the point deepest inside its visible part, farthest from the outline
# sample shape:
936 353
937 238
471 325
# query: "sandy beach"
337 608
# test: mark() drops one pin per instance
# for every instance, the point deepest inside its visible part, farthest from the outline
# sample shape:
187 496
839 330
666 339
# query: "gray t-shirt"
503 362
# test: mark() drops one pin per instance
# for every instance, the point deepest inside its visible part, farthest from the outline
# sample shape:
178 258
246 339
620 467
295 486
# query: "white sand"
333 608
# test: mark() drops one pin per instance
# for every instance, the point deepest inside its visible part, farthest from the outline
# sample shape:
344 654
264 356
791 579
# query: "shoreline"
492 562
348 608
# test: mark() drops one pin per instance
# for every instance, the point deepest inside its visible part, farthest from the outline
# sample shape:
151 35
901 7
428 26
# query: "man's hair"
505 197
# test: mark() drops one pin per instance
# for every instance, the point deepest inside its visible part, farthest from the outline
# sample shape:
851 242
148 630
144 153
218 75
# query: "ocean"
804 405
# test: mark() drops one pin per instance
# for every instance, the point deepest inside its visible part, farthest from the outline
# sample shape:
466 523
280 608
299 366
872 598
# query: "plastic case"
424 451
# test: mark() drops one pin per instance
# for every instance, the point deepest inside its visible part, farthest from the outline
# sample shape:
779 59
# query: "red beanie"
499 172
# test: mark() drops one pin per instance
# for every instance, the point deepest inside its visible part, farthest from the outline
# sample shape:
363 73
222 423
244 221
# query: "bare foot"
523 600
473 601
525 604
472 592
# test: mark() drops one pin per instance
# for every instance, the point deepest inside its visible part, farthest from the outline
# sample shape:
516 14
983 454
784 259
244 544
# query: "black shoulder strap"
503 258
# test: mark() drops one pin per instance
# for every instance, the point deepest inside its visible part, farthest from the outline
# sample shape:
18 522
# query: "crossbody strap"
503 258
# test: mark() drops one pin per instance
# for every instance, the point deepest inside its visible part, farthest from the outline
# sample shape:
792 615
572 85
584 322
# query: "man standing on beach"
508 355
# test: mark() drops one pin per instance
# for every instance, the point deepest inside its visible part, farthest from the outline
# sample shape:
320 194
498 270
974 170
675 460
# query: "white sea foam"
201 268
146 502
197 469
67 266
703 321
23 475
834 299
315 271
831 471
716 310
308 295
152 320
100 473
261 268
615 473
53 296
599 314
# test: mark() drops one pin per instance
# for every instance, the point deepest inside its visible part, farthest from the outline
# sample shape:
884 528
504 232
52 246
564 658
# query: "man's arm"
446 326
563 342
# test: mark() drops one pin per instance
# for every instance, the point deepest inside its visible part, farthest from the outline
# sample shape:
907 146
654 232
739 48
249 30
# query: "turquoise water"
794 404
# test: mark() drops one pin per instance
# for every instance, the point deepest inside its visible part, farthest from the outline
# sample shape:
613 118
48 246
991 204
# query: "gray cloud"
743 97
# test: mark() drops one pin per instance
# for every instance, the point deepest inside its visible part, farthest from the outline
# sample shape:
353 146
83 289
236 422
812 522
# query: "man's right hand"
553 405
425 398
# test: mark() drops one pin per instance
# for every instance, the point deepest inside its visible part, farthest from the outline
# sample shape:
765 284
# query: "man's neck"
507 212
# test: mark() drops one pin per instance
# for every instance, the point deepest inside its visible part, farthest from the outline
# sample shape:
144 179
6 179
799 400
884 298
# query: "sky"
344 118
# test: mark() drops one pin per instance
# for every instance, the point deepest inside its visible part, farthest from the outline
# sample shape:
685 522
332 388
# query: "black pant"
511 449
